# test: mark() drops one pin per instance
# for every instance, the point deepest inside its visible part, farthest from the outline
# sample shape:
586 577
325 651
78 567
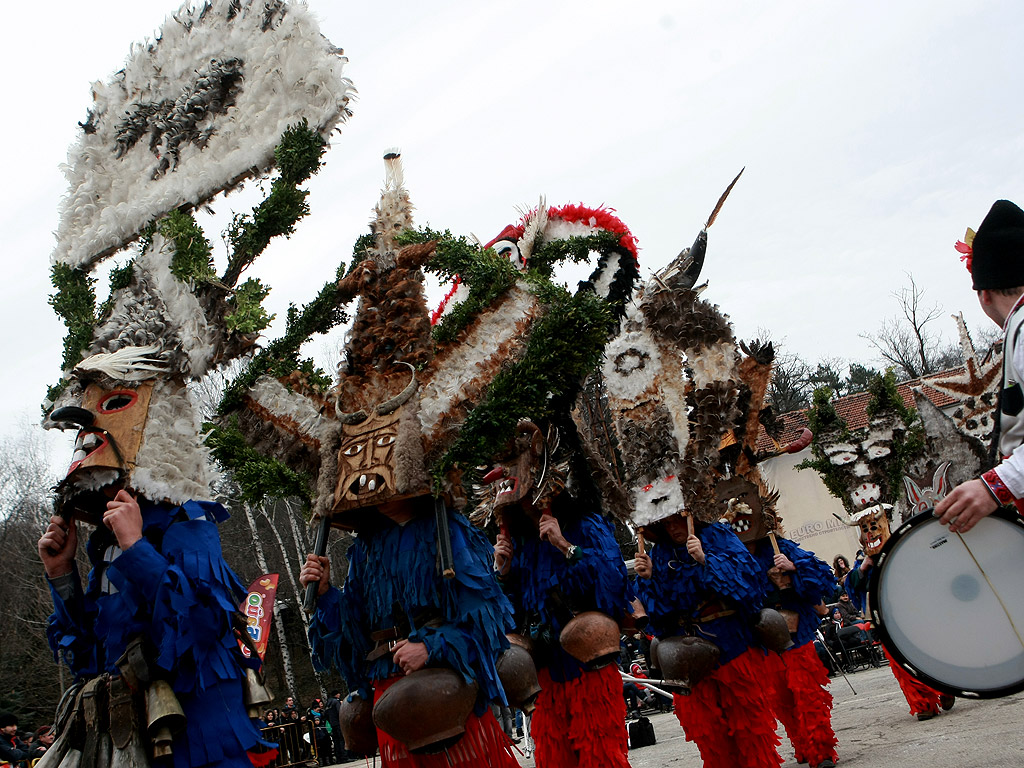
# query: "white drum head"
950 608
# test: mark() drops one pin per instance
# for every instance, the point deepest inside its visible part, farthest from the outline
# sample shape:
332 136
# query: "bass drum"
950 607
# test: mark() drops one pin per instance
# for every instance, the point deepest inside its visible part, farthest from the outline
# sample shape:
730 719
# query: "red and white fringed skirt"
581 723
729 718
803 702
921 698
484 745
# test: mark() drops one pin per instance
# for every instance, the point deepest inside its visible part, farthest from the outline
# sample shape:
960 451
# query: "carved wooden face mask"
874 530
110 443
744 512
514 474
366 462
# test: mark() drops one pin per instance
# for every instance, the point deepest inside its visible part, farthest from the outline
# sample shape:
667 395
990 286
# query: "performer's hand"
783 563
503 554
693 546
965 506
316 569
410 656
866 563
57 547
643 566
124 518
551 532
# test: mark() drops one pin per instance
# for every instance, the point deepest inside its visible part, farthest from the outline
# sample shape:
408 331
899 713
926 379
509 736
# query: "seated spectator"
45 736
848 611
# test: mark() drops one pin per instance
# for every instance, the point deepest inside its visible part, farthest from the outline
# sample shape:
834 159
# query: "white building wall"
806 508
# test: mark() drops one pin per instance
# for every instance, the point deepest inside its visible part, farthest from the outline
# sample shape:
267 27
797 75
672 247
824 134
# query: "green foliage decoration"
909 443
193 257
257 476
575 249
248 315
298 157
281 356
75 302
565 344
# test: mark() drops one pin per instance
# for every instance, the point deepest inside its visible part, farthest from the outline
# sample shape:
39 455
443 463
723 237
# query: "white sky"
873 134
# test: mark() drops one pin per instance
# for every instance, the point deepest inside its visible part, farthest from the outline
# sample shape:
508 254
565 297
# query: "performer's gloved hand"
316 569
503 554
965 505
410 656
642 565
124 518
783 563
693 546
57 547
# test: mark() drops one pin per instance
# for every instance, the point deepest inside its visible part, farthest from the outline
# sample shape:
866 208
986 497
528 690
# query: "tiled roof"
852 408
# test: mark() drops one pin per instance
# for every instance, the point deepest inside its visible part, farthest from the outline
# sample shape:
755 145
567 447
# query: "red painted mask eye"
118 400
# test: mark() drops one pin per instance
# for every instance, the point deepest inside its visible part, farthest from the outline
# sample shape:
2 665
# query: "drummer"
995 259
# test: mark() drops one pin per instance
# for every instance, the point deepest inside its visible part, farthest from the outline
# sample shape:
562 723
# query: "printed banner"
258 608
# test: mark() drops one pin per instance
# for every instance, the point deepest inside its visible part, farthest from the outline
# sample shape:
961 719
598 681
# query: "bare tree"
908 343
30 682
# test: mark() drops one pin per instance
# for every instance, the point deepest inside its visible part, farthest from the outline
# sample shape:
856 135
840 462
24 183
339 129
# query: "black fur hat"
998 259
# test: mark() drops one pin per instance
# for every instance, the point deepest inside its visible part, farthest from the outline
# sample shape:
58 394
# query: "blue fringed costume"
727 714
173 589
580 714
802 700
461 621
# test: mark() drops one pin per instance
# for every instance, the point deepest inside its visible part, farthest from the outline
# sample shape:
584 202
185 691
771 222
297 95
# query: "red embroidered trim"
997 488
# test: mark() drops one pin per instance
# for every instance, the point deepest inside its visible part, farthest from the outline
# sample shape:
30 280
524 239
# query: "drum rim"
882 632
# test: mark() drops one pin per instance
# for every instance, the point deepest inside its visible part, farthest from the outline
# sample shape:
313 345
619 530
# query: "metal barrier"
296 744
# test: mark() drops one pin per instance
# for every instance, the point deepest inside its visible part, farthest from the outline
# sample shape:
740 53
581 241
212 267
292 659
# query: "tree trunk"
286 659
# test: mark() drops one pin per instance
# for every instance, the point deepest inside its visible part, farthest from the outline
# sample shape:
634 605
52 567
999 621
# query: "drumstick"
640 543
689 526
775 542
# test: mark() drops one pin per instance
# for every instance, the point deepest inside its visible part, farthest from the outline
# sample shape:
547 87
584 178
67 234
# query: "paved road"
875 730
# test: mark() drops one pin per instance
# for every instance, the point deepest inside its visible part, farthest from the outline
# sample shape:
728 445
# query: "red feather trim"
581 722
803 703
729 717
919 696
602 217
483 745
436 314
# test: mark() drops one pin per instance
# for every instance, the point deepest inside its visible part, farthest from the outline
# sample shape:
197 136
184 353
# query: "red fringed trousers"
729 717
484 745
803 702
920 697
581 723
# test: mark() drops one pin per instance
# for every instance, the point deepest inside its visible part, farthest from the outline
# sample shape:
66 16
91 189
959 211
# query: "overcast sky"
872 133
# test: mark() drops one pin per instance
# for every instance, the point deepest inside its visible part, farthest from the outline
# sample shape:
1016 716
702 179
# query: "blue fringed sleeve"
462 621
679 587
174 588
70 627
811 580
597 581
476 614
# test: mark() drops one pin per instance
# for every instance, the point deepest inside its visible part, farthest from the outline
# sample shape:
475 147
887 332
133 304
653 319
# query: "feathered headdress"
169 131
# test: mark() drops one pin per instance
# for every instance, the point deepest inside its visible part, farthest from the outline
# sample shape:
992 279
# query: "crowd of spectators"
21 748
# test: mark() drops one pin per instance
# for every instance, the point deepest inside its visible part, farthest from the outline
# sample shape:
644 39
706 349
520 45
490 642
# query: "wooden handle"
641 545
689 526
775 542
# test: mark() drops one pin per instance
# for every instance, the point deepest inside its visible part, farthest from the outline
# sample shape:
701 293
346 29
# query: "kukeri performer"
396 615
995 259
556 559
796 581
703 582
